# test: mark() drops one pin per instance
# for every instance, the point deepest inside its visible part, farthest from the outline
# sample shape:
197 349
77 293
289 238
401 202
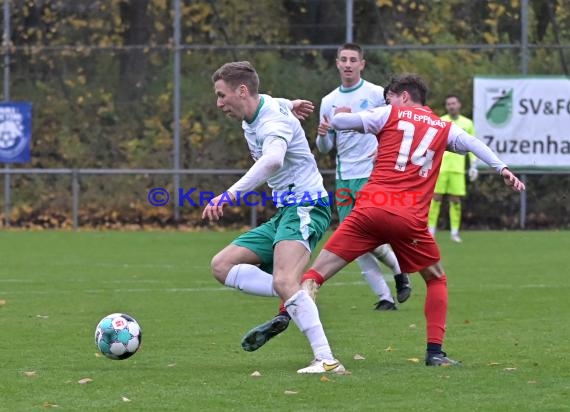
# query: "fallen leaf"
50 405
413 360
256 374
389 349
510 369
358 357
531 382
324 379
171 365
290 392
30 373
493 363
412 326
2 302
125 399
98 355
83 381
467 321
42 316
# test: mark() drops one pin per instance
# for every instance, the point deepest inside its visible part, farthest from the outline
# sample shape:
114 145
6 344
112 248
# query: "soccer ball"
118 336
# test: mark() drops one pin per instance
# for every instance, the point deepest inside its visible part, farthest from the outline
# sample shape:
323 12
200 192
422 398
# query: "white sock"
250 279
373 275
454 232
388 257
305 314
432 230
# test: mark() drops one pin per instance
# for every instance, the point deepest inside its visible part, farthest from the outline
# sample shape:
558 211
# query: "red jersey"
411 143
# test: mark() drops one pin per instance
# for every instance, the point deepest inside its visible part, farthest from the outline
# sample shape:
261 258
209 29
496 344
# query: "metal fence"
76 175
177 165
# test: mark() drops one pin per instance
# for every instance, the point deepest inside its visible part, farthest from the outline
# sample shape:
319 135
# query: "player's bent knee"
382 250
279 284
283 286
220 267
434 271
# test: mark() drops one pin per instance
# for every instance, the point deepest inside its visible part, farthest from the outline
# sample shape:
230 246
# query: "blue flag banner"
15 132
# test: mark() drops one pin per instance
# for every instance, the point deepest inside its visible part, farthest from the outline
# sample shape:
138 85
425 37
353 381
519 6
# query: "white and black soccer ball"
118 336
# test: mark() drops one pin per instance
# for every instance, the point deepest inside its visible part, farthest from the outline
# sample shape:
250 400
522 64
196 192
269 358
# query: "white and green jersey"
356 152
299 173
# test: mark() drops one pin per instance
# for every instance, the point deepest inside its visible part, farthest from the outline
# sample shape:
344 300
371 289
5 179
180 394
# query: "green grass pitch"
509 323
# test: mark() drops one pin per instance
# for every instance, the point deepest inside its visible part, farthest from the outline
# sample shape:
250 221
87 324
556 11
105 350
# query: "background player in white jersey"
284 160
355 154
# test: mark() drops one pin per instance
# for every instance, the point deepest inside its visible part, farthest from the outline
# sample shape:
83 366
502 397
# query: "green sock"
434 213
454 216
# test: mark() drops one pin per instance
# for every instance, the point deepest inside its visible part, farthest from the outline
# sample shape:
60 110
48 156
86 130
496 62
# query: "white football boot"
324 366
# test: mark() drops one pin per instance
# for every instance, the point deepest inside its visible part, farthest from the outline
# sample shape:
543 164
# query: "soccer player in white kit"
284 160
355 154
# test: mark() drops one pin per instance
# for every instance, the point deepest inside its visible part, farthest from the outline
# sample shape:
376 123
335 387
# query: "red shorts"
364 229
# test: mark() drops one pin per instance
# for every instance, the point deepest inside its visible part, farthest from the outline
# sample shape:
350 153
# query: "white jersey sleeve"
285 101
459 141
273 129
271 160
325 143
375 119
348 121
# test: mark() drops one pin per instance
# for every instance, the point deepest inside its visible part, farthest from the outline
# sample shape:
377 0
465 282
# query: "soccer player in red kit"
393 206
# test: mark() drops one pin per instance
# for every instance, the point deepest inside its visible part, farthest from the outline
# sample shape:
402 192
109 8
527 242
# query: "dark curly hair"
408 82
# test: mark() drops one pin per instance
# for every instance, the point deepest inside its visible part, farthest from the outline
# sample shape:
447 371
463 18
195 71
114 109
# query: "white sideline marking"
131 265
210 289
147 290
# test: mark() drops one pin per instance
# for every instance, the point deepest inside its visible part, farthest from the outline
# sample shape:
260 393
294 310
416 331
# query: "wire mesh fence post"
75 198
524 70
253 216
522 218
6 49
349 21
176 109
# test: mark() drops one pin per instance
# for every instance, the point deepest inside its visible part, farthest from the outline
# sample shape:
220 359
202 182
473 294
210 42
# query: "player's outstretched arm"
325 133
271 160
301 108
462 142
214 210
512 181
347 121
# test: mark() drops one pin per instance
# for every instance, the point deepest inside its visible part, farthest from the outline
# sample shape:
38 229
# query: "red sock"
282 307
313 274
435 309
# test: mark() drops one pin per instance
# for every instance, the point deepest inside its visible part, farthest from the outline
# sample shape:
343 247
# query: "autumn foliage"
100 76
